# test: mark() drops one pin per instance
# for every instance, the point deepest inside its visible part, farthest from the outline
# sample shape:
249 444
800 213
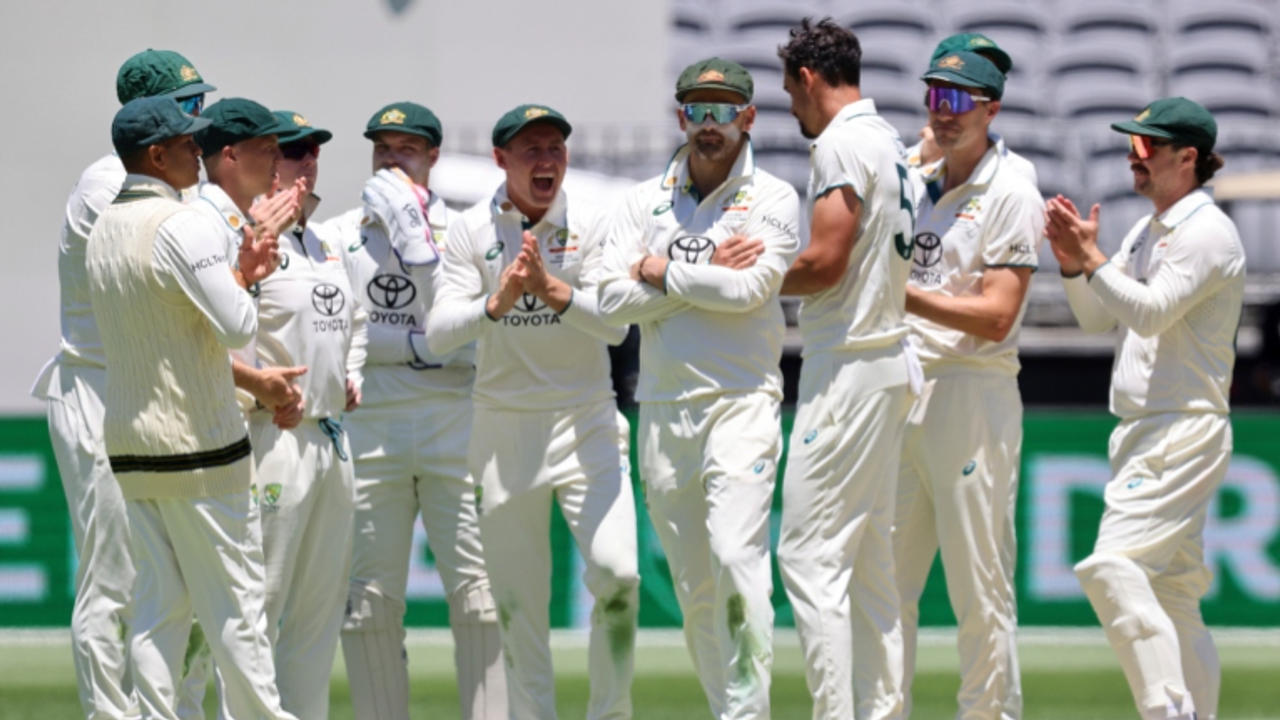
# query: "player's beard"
710 147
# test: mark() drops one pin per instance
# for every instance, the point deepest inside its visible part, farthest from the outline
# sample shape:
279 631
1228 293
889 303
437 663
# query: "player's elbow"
998 327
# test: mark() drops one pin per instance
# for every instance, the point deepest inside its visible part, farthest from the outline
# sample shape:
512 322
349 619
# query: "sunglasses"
952 100
1144 146
192 105
720 113
299 150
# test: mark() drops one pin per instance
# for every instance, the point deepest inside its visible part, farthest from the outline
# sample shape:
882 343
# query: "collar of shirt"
677 174
865 106
1184 208
936 175
143 185
503 208
222 202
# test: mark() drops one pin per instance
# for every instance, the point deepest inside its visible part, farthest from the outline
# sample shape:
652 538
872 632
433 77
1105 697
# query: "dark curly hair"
826 48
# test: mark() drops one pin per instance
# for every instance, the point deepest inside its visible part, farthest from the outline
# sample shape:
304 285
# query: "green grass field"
1067 676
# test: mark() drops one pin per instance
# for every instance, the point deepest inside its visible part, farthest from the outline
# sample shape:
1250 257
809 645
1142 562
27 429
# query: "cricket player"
926 152
835 550
307 316
518 278
409 438
978 229
168 305
695 256
72 384
1175 288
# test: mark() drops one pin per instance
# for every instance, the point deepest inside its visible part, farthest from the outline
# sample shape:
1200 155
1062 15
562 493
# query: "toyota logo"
327 299
530 303
928 250
693 249
391 291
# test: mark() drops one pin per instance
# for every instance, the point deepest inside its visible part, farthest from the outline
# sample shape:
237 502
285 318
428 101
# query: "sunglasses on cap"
1144 146
192 105
299 150
952 100
720 113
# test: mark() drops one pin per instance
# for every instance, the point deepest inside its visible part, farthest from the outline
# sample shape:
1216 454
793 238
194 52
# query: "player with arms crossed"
409 438
836 548
518 278
1175 288
978 229
695 256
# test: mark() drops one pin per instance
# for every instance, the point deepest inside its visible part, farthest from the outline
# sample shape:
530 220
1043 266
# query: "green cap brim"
197 124
680 96
1133 127
953 78
561 125
368 134
320 136
187 91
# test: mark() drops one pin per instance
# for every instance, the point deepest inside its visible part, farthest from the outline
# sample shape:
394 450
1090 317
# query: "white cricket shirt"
398 367
994 219
1176 285
1019 163
531 358
714 330
861 151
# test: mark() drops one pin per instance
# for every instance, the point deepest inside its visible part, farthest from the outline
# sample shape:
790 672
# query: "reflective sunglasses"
1144 146
720 113
192 105
952 100
299 150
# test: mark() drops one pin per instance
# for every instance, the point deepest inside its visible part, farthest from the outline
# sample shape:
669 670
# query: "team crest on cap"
535 112
392 117
188 74
1143 115
300 121
711 76
951 62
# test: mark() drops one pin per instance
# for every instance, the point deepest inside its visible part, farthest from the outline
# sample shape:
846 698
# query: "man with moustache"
308 316
696 257
1175 287
518 278
409 438
978 228
836 550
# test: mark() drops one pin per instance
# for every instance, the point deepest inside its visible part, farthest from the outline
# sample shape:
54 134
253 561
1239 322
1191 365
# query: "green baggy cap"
409 118
517 119
977 43
715 74
159 72
146 121
1183 121
298 127
967 69
234 119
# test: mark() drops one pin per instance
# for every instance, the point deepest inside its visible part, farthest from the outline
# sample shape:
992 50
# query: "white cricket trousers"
709 467
201 555
104 574
305 490
410 459
1147 574
522 460
836 548
957 491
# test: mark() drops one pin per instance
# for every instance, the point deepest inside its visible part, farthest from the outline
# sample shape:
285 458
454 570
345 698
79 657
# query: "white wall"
601 63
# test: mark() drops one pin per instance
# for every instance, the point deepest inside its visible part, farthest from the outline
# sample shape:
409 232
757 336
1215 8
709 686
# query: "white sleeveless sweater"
172 427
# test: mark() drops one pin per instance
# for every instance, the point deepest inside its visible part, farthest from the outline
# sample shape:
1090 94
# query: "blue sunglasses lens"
192 105
720 113
952 100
